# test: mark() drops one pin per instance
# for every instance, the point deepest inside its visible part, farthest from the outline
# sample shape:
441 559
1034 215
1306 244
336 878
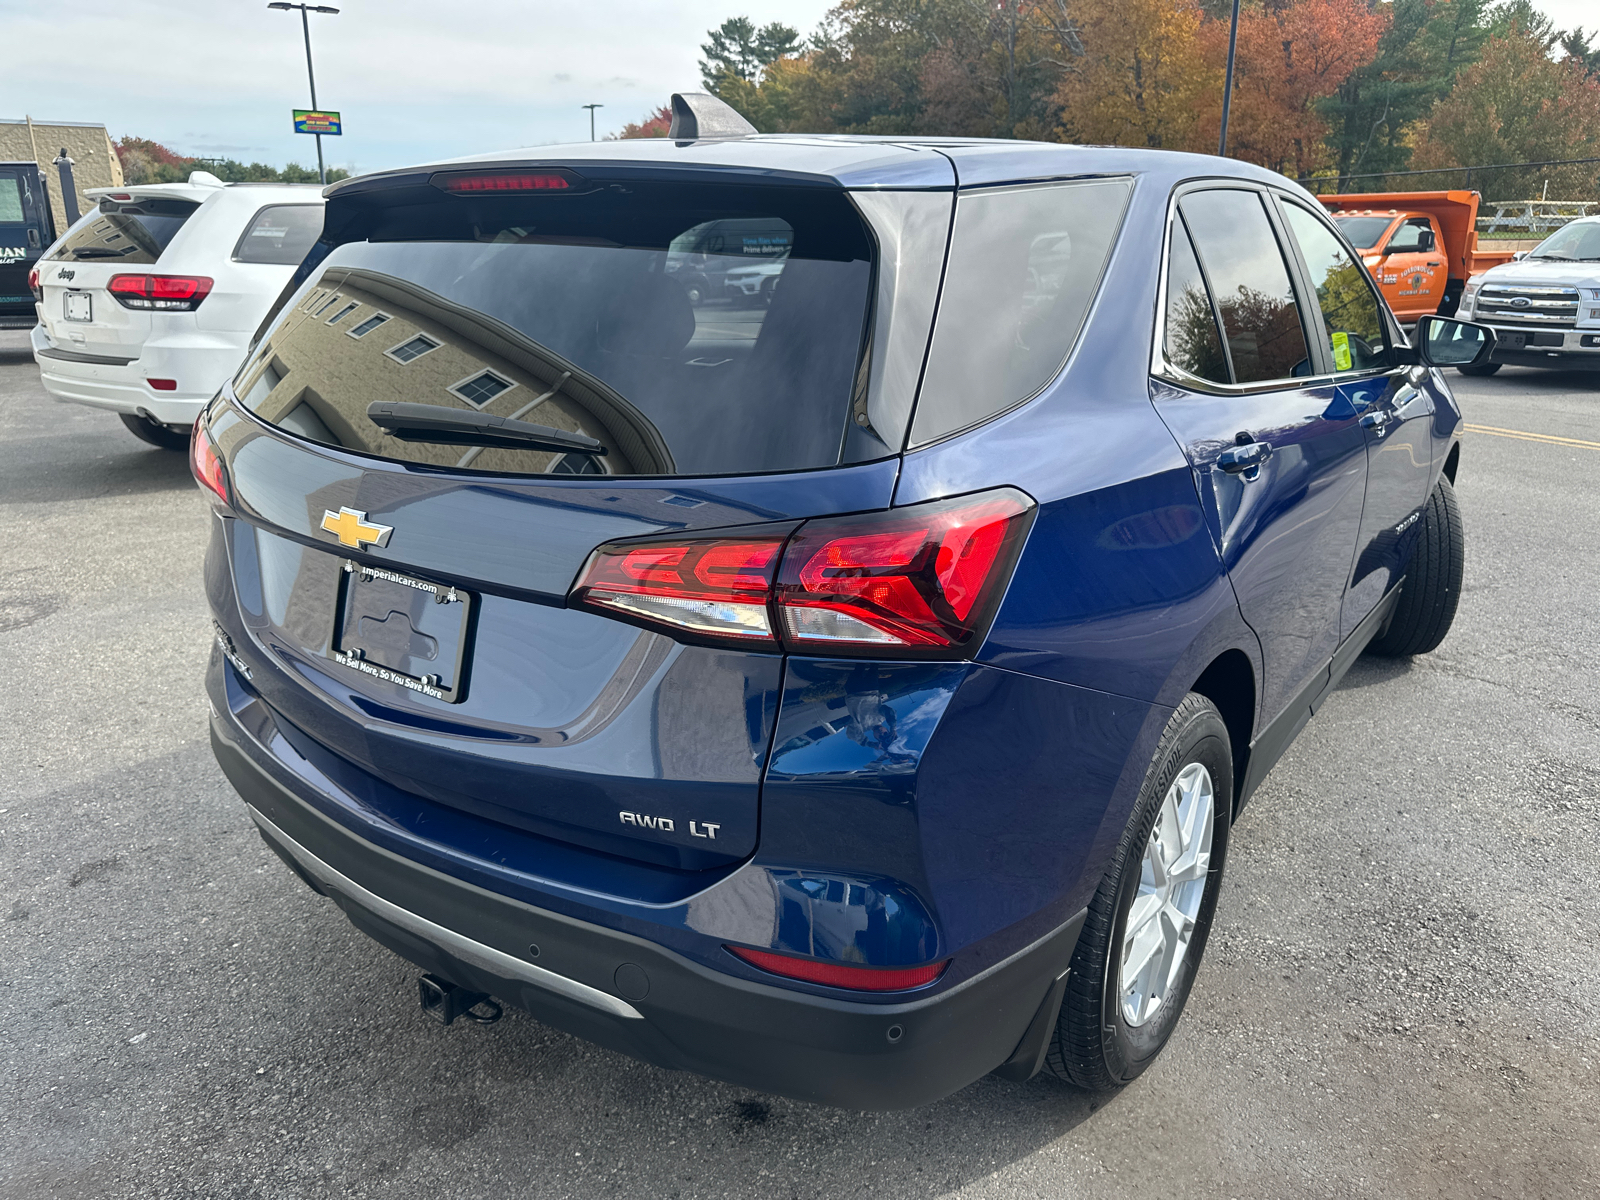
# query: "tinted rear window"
10 200
691 330
280 235
133 233
1025 263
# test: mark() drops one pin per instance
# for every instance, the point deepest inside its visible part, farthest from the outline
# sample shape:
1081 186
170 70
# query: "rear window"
1025 263
128 232
10 200
1363 232
280 235
689 330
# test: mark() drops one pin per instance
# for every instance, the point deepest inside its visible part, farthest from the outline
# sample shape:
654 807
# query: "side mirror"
1446 342
1424 241
1518 255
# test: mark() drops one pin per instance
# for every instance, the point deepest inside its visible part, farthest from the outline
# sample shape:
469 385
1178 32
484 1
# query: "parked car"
148 302
849 710
1544 307
26 228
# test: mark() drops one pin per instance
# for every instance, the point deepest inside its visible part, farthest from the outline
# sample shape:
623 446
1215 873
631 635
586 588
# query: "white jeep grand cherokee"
147 303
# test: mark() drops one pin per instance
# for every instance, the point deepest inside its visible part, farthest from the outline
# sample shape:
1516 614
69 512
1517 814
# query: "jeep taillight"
206 462
921 582
33 284
169 293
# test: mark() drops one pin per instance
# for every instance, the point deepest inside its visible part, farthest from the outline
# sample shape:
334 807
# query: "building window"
367 326
414 349
481 388
332 300
343 313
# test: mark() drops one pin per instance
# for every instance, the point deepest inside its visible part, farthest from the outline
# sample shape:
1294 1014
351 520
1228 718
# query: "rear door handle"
1244 460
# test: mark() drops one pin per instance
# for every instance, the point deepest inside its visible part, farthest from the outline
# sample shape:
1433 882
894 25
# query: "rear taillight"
206 462
171 293
920 582
842 975
716 587
33 284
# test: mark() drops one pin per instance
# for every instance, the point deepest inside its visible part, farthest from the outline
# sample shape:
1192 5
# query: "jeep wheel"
1147 925
1480 368
155 433
1427 603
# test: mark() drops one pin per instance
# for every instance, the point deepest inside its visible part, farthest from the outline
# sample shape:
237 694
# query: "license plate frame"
393 650
77 306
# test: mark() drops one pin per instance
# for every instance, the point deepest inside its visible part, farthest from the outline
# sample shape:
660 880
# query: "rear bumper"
123 387
639 998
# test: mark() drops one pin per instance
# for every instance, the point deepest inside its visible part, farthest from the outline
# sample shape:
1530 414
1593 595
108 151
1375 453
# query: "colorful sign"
307 120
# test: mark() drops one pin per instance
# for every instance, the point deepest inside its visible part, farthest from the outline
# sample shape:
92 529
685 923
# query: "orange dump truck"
1421 247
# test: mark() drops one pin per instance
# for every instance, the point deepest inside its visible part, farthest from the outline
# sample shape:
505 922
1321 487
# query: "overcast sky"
414 79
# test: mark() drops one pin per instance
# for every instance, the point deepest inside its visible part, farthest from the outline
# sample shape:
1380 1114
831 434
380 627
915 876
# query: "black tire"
1480 368
155 433
1432 588
1094 1046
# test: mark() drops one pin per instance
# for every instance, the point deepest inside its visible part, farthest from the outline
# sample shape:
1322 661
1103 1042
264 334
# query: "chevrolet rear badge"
351 527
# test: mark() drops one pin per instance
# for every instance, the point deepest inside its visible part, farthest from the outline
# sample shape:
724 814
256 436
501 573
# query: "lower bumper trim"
464 948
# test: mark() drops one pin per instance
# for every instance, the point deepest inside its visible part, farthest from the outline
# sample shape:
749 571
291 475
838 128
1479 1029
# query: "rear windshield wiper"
437 424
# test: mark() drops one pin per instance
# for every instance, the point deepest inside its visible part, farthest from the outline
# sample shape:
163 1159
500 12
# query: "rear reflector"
206 463
476 183
716 587
163 385
918 582
172 293
842 975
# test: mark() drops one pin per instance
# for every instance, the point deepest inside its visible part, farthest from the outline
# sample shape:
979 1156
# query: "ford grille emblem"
1520 302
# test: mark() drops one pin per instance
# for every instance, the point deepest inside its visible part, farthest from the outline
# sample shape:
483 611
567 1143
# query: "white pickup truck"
1544 307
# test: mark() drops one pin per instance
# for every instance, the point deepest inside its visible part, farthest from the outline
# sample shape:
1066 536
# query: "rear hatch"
124 236
411 579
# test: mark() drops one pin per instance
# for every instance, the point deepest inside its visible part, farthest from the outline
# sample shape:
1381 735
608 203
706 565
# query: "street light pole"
305 27
1227 87
591 108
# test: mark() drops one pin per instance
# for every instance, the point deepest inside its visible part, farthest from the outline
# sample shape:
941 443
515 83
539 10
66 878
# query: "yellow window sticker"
1341 351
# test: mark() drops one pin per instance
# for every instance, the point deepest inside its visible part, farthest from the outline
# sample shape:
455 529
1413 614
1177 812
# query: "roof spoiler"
697 115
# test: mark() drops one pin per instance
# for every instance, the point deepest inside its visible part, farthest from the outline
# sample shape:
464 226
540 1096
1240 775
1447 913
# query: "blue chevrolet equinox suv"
842 686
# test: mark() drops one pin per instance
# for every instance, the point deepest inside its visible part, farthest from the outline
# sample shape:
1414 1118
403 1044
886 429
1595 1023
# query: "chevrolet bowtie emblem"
351 527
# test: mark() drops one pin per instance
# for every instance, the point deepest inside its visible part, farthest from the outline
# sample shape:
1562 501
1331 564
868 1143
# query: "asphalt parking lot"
1400 998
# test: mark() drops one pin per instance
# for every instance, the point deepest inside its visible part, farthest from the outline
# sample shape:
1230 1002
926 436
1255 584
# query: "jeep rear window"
1025 263
131 233
691 330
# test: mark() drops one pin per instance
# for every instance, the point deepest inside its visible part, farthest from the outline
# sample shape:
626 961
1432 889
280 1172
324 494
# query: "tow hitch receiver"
444 1000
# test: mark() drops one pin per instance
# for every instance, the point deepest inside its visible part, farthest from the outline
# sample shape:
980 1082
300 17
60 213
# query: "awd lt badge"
351 527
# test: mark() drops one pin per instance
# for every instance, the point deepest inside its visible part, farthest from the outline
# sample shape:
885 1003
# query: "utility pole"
591 108
305 26
1227 87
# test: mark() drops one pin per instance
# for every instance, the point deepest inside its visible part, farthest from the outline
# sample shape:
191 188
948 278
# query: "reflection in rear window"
690 330
280 235
132 233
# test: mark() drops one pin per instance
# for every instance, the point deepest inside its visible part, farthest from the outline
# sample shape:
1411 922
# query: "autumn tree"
736 49
655 125
1143 78
1517 104
1289 61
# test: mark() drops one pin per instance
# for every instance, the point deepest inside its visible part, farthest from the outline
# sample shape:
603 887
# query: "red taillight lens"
842 975
922 581
206 463
172 293
716 587
33 284
477 183
927 578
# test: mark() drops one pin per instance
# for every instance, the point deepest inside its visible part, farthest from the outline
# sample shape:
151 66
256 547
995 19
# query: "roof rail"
697 115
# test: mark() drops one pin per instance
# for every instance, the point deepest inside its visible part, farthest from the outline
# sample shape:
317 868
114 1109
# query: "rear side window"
280 235
10 200
1244 265
1350 318
132 233
1025 263
1192 341
691 330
